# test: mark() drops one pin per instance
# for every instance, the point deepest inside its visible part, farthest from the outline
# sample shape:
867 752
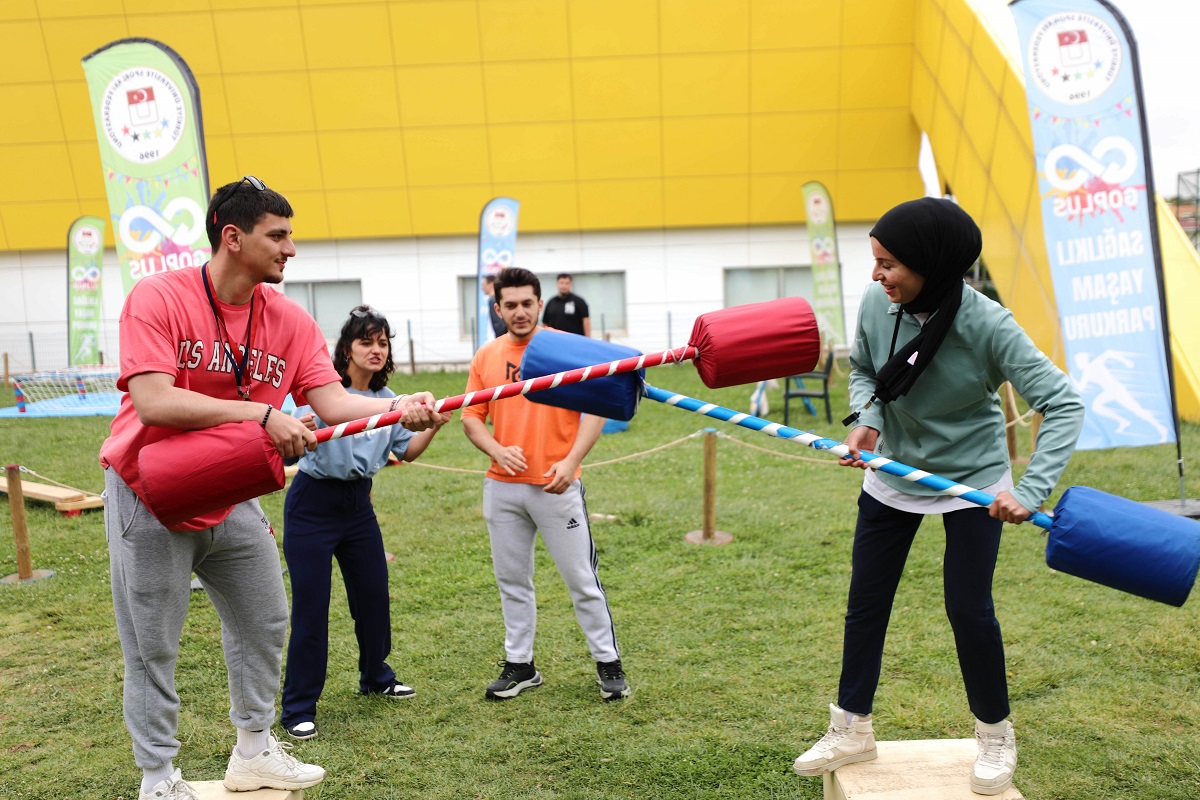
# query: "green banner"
826 269
85 261
147 111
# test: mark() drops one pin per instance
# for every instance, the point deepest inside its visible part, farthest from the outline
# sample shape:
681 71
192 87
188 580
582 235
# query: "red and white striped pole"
604 370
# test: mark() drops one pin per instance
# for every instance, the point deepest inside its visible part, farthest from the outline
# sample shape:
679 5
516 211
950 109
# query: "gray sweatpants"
515 512
238 564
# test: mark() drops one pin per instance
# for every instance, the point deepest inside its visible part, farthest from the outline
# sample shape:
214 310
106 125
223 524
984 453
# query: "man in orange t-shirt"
533 485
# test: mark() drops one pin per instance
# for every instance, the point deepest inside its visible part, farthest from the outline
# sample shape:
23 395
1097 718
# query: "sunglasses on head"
232 188
364 312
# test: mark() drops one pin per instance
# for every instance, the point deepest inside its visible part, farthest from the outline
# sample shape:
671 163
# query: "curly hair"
364 322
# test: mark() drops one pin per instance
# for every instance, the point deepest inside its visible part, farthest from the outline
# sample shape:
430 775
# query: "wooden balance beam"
932 769
68 502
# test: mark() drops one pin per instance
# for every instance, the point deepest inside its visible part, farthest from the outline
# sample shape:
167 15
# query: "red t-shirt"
167 325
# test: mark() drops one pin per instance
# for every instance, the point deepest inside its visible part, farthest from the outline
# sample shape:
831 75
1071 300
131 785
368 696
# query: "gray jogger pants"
237 561
515 512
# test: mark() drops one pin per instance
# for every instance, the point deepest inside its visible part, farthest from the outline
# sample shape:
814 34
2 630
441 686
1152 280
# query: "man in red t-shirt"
533 485
201 347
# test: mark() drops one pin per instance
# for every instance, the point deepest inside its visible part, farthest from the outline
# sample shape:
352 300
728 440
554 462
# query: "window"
468 292
329 302
754 285
603 291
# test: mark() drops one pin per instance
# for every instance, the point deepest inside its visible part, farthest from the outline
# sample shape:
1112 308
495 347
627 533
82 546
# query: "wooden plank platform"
68 501
930 769
215 790
1189 507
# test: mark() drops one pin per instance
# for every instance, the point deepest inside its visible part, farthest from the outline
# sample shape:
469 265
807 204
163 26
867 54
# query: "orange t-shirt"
545 433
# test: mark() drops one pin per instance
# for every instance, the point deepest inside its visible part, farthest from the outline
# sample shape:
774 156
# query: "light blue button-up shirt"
352 457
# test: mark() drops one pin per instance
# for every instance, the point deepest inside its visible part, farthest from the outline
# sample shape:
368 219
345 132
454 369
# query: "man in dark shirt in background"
567 311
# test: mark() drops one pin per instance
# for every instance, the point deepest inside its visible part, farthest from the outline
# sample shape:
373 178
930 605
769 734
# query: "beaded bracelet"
267 415
396 401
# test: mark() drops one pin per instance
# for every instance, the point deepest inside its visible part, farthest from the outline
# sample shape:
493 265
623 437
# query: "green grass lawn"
733 652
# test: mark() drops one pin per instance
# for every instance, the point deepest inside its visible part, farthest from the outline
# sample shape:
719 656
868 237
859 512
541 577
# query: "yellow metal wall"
969 97
403 118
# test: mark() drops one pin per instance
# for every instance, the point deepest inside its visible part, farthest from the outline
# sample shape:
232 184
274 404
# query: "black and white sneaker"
514 679
302 730
395 690
611 678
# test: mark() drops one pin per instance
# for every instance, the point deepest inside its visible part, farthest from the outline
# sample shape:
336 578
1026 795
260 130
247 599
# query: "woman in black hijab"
928 357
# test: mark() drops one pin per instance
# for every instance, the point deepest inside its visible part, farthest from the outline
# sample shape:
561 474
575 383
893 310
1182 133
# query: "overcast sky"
1168 39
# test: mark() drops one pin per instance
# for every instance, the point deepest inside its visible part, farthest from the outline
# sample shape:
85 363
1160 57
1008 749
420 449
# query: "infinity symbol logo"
82 273
183 233
492 257
1089 164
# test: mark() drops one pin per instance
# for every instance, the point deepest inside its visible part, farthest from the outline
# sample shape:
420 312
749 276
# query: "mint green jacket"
951 423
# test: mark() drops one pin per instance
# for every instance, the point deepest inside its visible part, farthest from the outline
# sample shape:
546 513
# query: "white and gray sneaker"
997 759
850 738
172 788
273 768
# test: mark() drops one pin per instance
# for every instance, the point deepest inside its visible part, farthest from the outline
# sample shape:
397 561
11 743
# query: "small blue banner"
497 249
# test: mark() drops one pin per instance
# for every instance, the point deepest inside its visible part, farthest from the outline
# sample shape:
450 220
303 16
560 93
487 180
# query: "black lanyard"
243 390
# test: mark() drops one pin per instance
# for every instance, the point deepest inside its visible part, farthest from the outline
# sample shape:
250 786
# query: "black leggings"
882 539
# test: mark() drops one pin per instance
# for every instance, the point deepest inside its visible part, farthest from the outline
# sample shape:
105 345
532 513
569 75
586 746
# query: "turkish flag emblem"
142 108
1073 48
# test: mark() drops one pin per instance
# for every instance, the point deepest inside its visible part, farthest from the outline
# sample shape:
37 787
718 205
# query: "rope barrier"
1022 420
443 469
616 460
28 471
644 452
825 462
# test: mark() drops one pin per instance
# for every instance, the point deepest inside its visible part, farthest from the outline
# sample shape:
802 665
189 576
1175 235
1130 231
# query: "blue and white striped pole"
881 463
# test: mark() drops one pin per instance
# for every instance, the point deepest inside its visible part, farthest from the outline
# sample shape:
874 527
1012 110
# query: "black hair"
364 323
562 275
511 277
242 204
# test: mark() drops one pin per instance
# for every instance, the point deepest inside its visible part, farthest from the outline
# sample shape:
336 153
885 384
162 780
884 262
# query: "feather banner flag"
147 111
85 264
497 249
1083 89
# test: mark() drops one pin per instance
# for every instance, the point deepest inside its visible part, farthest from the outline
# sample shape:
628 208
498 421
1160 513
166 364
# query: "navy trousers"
323 520
882 539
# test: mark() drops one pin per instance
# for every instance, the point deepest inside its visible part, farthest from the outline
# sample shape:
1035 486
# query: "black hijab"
939 241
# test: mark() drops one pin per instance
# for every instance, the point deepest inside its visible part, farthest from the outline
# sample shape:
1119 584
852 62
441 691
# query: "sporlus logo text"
143 115
1092 182
1074 57
85 276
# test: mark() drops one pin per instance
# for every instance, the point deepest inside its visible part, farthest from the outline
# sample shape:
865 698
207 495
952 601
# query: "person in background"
328 514
489 288
201 347
927 360
567 311
533 485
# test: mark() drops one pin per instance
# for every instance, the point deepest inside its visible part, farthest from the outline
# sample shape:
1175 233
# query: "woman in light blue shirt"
328 514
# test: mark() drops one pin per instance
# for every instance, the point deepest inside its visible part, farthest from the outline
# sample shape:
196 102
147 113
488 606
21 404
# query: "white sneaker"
997 760
273 768
172 788
844 743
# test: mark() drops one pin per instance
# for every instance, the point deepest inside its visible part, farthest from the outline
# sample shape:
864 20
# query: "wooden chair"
810 385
